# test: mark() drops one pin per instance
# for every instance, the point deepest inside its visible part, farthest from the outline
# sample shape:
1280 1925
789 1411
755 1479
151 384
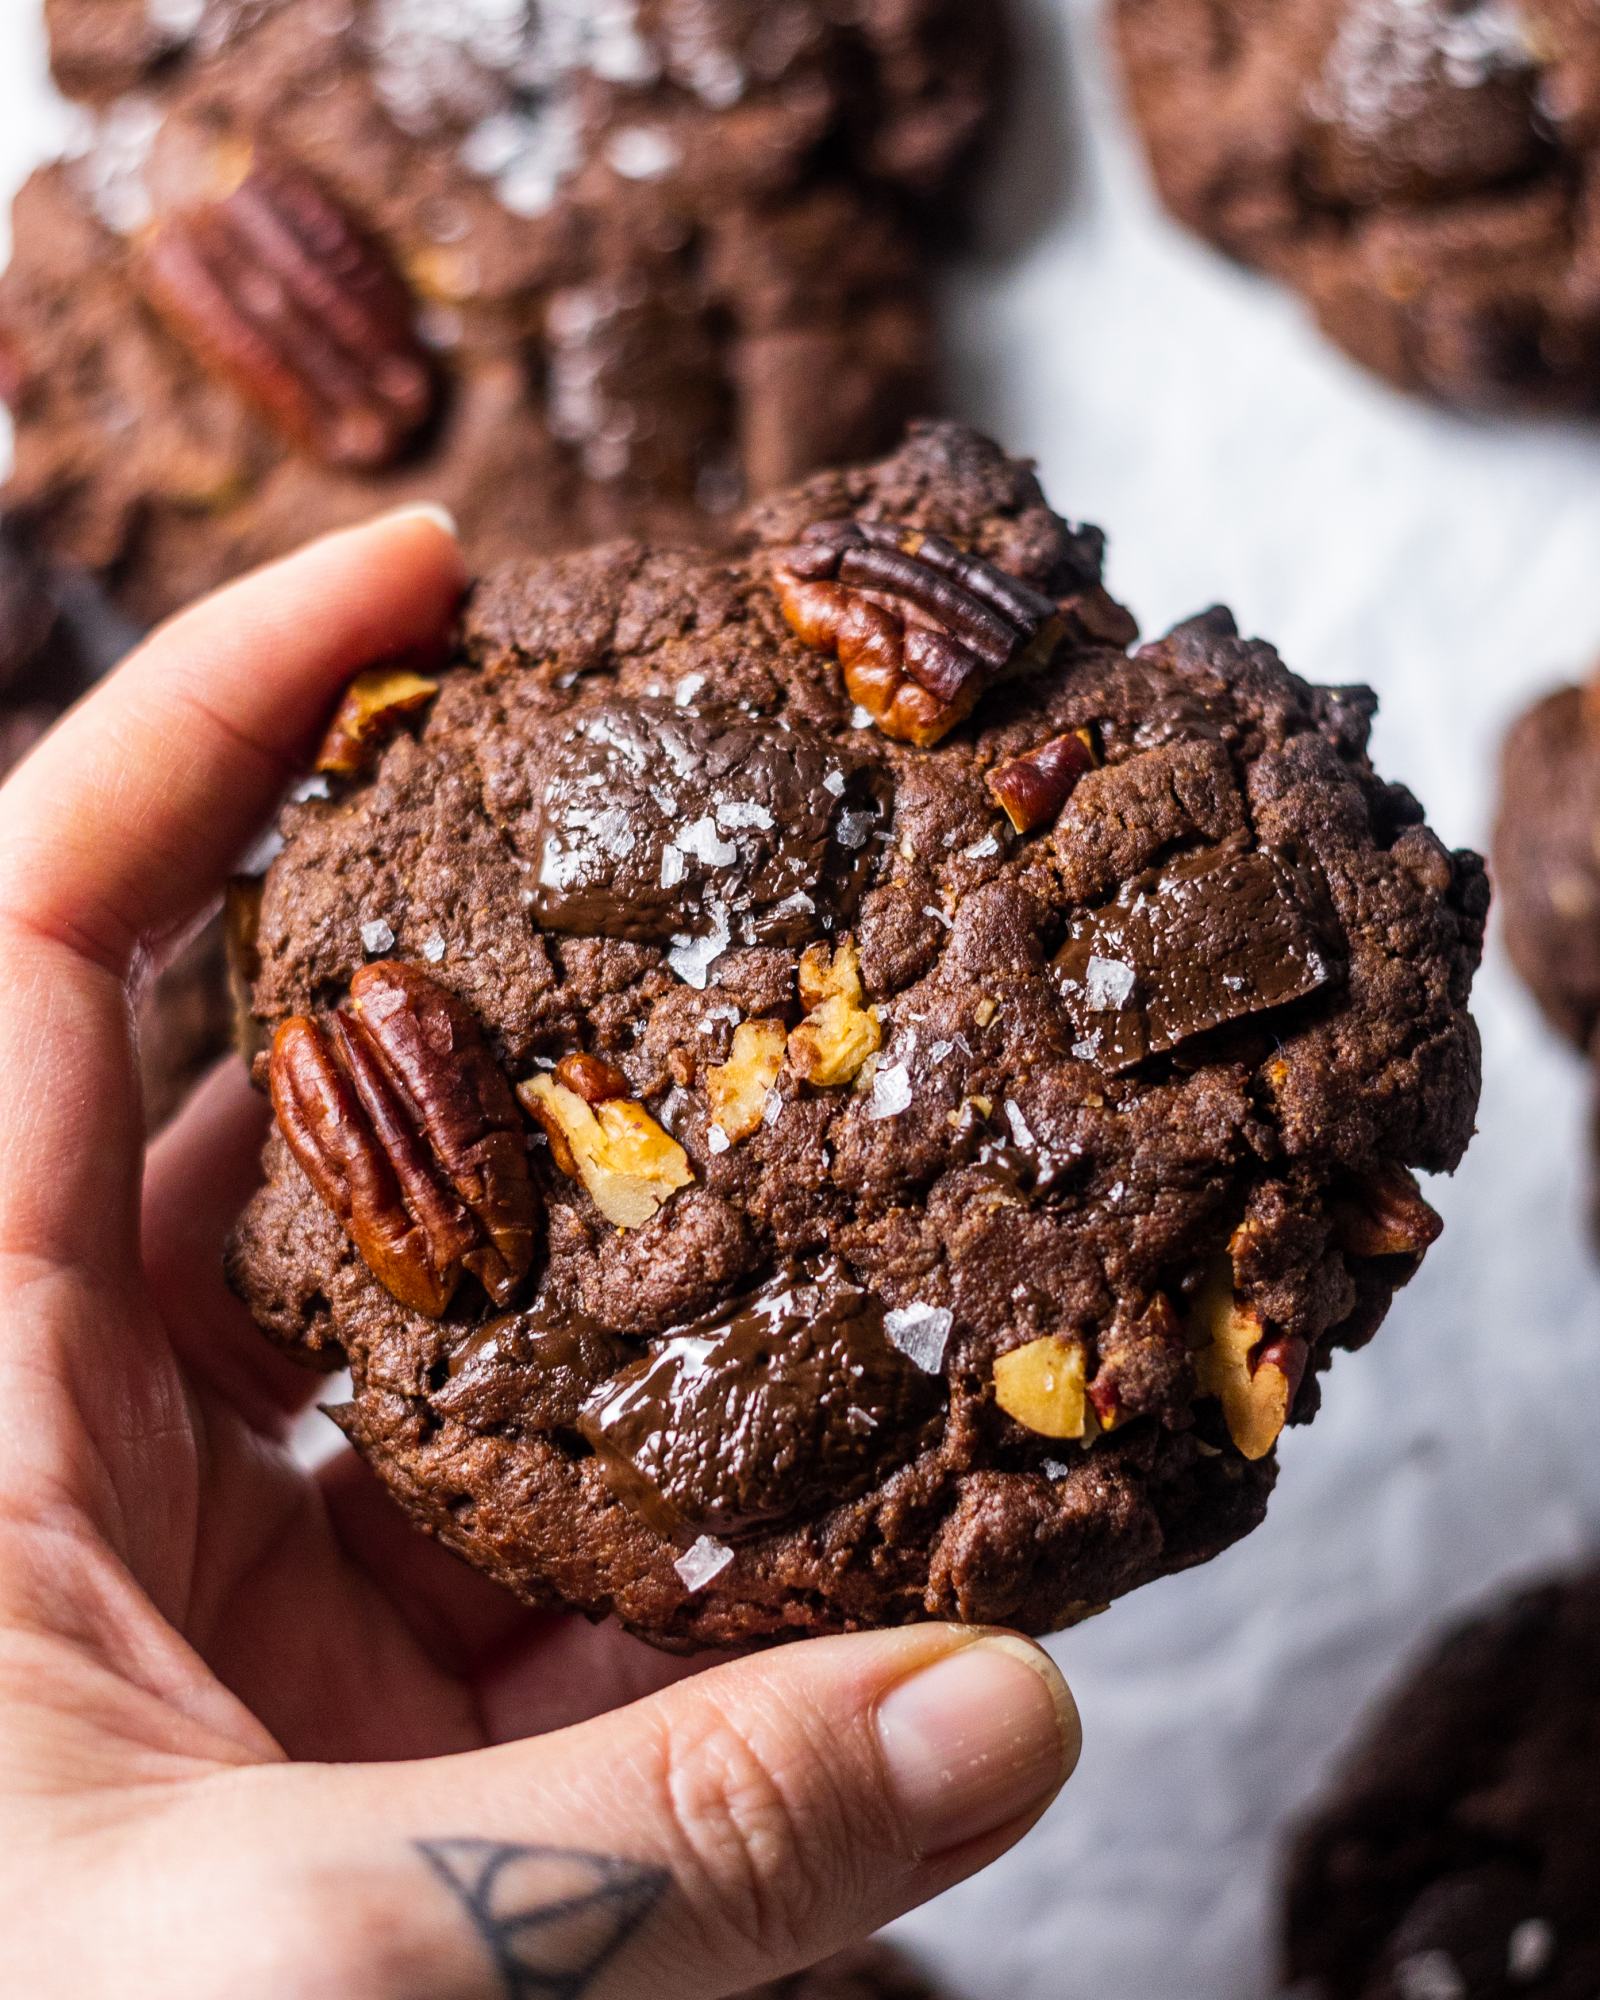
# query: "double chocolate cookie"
566 270
1453 1857
814 1089
1424 171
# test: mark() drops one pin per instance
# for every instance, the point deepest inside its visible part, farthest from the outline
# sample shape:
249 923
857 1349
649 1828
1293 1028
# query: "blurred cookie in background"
1547 855
572 272
873 1971
1425 172
50 651
1453 1855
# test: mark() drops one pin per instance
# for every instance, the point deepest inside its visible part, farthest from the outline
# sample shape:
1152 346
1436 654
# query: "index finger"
124 821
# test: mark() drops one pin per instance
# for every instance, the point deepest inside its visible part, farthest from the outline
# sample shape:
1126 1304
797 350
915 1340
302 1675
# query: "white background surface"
1455 566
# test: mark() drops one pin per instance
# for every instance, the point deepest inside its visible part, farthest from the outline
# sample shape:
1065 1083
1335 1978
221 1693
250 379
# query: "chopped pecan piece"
1386 1217
1032 789
628 1164
409 1132
737 1090
374 706
840 1031
919 627
1254 1376
594 1079
1042 1387
278 290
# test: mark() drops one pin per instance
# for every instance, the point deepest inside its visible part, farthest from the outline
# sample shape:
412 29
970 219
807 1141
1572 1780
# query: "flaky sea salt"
980 850
834 781
1021 1131
891 1091
692 958
735 815
433 948
376 937
921 1332
702 840
1055 1468
717 1141
642 153
703 1561
1107 985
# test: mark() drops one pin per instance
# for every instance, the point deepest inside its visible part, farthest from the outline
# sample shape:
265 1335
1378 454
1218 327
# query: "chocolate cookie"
1547 862
1424 171
568 271
1453 1857
974 1071
871 1972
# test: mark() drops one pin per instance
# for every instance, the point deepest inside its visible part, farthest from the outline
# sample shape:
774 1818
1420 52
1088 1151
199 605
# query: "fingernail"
976 1740
428 510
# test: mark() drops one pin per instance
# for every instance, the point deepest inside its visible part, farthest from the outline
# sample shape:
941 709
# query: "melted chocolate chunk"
531 1369
1212 938
658 823
791 1401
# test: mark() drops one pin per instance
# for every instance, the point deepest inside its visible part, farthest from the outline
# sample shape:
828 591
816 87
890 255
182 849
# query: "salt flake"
1107 985
703 1561
921 1332
433 948
376 937
891 1092
717 1141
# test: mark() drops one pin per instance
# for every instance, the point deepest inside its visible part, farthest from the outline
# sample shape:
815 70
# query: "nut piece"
1386 1217
409 1132
1253 1376
594 1079
1042 1387
1033 788
275 288
374 706
737 1090
839 1031
629 1165
920 628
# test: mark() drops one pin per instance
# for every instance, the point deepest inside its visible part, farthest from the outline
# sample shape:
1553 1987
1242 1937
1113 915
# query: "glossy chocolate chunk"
530 1368
657 822
1209 939
790 1401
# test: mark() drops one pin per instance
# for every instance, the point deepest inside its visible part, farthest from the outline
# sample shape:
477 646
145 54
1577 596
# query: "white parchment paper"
1455 565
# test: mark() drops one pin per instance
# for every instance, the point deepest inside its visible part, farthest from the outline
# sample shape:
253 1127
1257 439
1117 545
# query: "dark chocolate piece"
1209 939
751 1417
658 823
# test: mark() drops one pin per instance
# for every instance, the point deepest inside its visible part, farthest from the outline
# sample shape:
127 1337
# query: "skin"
256 1736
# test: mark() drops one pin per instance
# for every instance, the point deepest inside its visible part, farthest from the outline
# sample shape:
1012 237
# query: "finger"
121 825
724 1832
199 1174
126 819
530 1671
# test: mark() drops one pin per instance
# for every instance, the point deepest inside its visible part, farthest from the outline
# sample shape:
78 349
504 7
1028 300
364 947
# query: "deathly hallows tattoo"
551 1918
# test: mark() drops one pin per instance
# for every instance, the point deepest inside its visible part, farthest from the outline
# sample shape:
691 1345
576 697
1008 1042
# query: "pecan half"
278 290
1032 789
920 627
408 1130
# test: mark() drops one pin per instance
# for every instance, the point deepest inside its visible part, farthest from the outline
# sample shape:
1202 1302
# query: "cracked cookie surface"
624 266
1453 1852
1423 171
937 1219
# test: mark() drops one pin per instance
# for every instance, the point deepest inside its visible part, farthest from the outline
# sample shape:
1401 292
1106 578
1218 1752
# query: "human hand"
257 1737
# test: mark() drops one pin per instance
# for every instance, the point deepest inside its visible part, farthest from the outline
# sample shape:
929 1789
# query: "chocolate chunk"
791 1400
530 1368
657 823
1123 818
1210 939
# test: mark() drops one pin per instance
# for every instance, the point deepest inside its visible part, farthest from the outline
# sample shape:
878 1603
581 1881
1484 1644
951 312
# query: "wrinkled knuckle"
749 1853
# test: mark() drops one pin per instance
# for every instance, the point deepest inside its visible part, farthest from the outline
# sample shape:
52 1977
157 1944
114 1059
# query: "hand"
258 1738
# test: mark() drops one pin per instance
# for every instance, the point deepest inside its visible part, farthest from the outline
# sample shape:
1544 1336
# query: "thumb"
724 1832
